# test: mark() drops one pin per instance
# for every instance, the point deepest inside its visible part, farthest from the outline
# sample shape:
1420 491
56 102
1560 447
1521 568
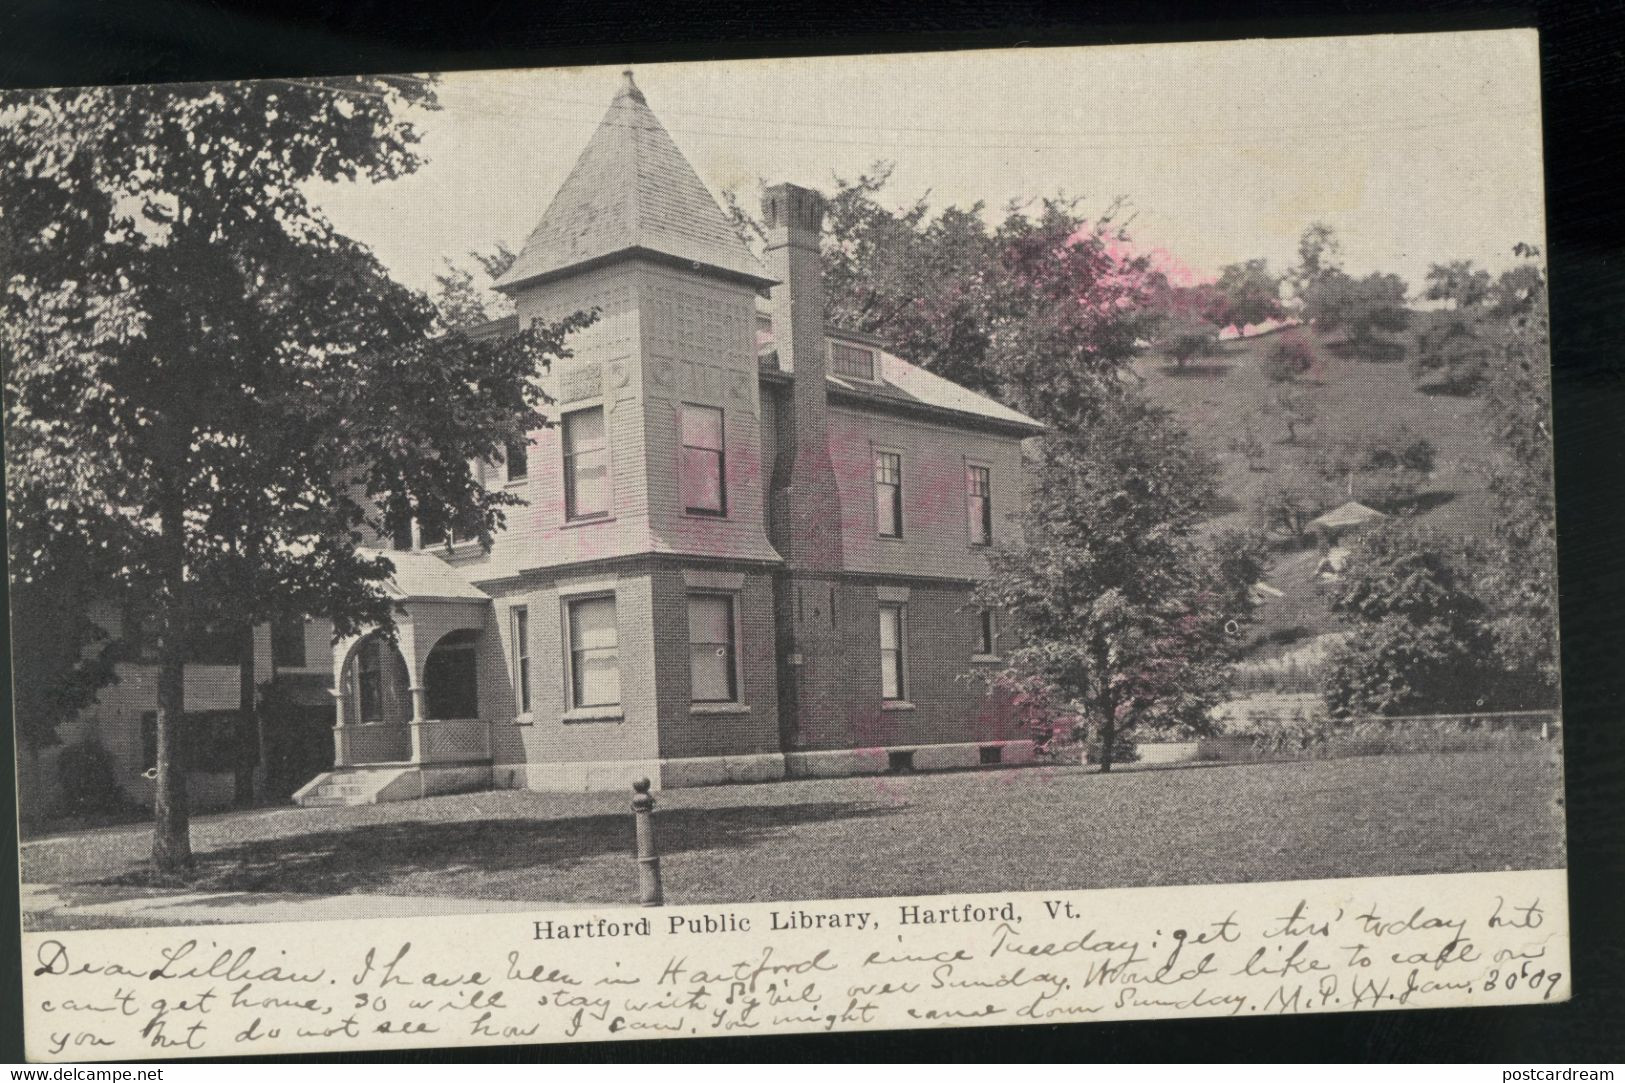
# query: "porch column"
420 709
341 735
406 631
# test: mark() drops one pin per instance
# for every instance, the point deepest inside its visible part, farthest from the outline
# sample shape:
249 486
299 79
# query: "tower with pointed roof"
747 544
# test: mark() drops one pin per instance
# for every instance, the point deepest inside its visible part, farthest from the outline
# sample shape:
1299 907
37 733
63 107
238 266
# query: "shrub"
1188 346
1292 357
1418 643
89 784
1389 492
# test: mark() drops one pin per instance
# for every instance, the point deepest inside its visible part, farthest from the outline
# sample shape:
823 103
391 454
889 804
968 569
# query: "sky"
1415 148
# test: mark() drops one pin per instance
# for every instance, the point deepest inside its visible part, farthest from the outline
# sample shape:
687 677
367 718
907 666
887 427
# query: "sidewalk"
50 906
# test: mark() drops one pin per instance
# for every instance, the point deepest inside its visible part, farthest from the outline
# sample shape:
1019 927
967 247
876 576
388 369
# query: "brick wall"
550 734
936 521
948 699
751 726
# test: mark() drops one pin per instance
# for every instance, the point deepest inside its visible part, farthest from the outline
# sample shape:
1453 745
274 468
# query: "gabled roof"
632 193
424 575
1353 513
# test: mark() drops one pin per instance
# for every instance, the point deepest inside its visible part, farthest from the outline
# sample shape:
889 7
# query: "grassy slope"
1217 398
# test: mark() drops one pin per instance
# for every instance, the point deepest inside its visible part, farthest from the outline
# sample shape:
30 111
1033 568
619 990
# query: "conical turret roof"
632 192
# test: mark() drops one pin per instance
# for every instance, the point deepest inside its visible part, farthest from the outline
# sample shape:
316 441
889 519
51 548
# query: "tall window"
892 658
521 658
855 361
711 653
986 633
595 654
701 471
979 500
889 494
516 453
288 643
586 465
369 684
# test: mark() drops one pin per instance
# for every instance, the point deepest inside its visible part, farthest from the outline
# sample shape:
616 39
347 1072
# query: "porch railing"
450 740
434 740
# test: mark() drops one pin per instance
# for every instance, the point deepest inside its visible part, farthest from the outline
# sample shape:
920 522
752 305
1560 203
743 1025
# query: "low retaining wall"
617 775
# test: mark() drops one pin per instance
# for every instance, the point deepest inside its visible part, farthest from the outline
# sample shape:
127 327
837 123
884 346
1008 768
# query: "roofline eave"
885 403
633 252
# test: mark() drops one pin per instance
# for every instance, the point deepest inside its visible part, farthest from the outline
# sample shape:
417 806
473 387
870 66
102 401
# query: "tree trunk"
249 770
171 834
1108 739
1108 709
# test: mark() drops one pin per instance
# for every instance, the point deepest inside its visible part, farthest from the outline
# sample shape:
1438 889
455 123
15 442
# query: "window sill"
890 537
593 714
896 705
516 483
572 524
719 708
710 516
526 719
986 658
455 549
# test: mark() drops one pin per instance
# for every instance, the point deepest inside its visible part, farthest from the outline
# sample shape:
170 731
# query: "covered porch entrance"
407 708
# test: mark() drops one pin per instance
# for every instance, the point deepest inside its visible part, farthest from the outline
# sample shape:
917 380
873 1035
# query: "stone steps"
346 786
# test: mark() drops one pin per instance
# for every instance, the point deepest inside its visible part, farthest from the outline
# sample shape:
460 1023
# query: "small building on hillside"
1344 519
1332 531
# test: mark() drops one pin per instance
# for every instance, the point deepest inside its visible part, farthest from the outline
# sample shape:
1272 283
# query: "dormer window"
857 362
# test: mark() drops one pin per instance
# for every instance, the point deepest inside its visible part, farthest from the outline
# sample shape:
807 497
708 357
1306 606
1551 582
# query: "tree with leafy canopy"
463 295
1251 292
1458 349
1188 319
1458 284
1287 508
1122 608
1366 310
1419 642
212 390
60 657
1042 309
1319 253
1522 566
1186 339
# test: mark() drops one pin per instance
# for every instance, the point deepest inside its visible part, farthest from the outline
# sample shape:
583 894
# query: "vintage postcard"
1040 535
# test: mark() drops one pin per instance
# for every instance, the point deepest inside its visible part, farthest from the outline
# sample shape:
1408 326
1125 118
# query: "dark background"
64 42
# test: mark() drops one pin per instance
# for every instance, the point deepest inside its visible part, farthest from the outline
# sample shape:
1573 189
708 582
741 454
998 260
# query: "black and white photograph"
578 496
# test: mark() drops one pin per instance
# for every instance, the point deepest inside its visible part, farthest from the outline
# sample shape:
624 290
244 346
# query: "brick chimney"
805 513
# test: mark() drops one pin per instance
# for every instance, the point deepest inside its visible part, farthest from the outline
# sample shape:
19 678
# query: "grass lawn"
1012 830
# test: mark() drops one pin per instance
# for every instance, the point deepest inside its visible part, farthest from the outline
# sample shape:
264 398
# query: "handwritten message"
581 975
